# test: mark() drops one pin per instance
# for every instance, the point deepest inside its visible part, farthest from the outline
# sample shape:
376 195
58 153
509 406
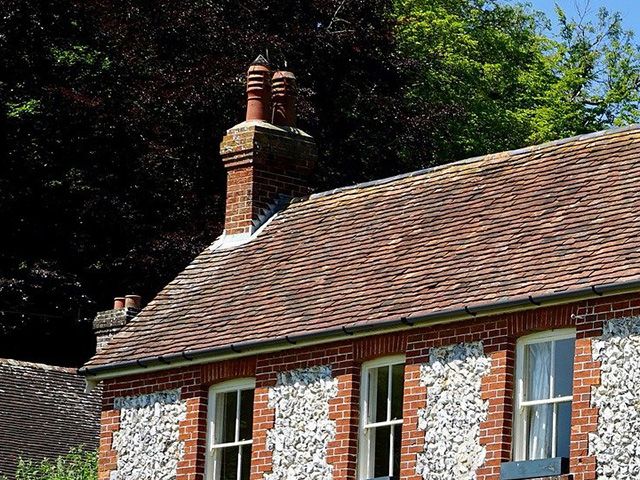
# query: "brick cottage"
477 320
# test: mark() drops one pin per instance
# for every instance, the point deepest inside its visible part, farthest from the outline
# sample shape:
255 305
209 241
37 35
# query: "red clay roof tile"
534 221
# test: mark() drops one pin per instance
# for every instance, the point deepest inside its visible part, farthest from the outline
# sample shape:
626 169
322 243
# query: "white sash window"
381 418
544 392
230 425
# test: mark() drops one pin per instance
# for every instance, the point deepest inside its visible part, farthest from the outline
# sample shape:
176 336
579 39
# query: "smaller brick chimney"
267 159
109 322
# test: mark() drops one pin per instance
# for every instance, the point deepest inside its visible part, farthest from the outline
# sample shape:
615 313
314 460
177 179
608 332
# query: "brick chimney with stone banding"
267 163
109 322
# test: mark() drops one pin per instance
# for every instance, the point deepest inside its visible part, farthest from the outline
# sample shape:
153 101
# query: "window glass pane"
378 385
397 444
372 378
540 430
246 462
226 417
563 368
246 414
380 442
563 429
397 382
228 459
538 370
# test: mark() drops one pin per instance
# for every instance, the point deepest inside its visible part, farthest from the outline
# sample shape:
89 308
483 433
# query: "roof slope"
539 220
44 412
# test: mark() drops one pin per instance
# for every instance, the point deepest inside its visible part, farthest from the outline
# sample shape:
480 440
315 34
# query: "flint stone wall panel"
147 443
616 443
455 409
302 429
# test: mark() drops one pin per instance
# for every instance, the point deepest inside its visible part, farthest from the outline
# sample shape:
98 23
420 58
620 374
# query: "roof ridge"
477 158
43 366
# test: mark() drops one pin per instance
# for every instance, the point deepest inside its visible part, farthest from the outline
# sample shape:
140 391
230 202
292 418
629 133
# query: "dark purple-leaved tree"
111 181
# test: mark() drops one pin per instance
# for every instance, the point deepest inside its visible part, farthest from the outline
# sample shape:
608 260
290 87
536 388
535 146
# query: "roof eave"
208 355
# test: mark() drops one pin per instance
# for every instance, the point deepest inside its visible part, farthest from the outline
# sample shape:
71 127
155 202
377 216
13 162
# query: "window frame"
519 438
212 468
365 468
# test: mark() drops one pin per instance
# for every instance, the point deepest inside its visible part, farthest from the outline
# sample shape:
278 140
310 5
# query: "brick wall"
263 162
498 335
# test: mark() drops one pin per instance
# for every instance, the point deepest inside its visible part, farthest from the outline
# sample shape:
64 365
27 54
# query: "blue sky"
630 9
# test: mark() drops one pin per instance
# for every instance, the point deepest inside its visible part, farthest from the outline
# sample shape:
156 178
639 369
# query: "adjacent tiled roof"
544 219
44 412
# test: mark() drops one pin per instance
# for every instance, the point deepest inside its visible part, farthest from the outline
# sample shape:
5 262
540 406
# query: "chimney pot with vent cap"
266 162
283 86
258 90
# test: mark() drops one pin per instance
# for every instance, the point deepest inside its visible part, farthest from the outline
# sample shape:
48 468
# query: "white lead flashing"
226 242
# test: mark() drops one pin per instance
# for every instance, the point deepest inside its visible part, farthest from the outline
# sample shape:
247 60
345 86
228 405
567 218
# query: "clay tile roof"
44 412
544 219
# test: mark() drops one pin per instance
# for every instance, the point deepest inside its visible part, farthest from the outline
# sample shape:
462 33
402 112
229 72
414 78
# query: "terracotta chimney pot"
132 301
284 99
259 90
118 303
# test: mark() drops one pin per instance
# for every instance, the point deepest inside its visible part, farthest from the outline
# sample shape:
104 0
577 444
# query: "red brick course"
262 163
499 335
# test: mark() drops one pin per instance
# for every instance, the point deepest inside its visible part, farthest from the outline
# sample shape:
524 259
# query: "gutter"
207 355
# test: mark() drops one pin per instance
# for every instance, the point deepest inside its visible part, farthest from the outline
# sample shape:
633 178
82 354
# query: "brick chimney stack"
109 322
267 159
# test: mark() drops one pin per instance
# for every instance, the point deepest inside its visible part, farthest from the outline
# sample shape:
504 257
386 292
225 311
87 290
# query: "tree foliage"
111 114
508 80
594 78
479 60
78 464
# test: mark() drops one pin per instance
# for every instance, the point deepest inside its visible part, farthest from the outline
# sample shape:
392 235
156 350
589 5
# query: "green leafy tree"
480 60
78 464
594 79
508 80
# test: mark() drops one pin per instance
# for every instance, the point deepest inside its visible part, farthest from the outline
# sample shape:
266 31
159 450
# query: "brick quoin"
499 335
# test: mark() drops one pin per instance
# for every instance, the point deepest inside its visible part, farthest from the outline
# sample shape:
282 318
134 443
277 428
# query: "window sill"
528 469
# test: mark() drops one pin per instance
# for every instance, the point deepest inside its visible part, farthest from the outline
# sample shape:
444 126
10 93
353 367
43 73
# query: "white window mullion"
524 444
391 437
554 429
389 373
372 448
236 434
216 464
